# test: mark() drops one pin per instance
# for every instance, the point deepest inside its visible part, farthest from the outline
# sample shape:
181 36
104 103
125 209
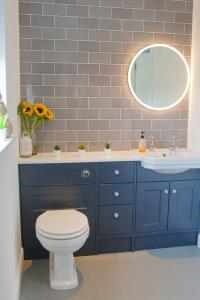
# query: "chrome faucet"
152 146
172 145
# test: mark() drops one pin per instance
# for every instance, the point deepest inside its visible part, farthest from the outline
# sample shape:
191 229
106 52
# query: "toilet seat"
62 224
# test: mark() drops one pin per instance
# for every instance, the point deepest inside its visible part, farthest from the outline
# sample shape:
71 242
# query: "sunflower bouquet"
33 116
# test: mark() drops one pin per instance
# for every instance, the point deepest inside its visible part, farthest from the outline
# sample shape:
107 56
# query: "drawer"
115 193
57 174
115 219
116 172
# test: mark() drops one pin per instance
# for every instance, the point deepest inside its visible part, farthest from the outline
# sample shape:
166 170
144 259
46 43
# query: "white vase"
3 134
81 153
25 144
56 154
107 152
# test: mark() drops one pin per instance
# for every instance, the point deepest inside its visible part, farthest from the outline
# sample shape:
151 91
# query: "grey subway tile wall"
75 56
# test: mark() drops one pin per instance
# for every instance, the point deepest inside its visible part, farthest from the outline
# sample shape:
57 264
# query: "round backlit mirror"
159 77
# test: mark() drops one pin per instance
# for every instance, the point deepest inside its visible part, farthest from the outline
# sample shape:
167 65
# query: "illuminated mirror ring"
159 77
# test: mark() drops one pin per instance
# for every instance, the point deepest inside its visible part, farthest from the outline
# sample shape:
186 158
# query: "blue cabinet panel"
152 206
57 174
115 193
113 245
115 172
184 204
115 219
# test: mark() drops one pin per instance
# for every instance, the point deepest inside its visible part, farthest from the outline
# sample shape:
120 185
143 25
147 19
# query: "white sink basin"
166 162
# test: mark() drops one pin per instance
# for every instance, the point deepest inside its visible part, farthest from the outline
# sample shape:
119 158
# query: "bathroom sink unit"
166 162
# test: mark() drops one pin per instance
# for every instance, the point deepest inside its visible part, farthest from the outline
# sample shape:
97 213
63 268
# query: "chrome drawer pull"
116 194
116 215
116 172
173 191
166 191
85 173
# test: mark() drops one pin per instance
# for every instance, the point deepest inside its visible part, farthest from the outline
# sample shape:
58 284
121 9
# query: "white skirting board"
19 275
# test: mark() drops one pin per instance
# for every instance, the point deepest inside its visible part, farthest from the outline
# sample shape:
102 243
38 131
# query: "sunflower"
49 114
27 109
40 109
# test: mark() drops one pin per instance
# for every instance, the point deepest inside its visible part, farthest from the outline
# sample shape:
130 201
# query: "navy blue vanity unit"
128 207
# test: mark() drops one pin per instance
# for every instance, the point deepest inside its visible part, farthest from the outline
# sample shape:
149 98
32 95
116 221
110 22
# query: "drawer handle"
166 191
85 173
173 191
116 172
116 215
116 194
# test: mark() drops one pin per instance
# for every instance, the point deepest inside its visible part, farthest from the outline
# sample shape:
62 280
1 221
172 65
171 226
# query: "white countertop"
73 157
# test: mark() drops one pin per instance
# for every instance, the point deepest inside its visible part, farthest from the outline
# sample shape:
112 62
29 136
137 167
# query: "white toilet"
62 232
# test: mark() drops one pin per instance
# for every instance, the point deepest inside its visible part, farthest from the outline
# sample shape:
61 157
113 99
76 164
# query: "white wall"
10 239
194 112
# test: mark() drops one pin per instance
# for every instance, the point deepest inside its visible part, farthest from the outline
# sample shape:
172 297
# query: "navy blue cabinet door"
152 206
184 204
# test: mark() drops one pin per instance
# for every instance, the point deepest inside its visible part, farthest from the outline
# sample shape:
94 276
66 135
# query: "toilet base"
62 271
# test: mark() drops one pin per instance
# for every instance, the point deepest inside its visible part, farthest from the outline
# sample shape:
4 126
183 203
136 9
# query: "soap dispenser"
142 143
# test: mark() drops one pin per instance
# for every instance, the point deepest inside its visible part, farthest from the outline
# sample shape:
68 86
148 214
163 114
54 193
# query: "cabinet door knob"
173 191
116 172
116 215
116 194
85 174
166 191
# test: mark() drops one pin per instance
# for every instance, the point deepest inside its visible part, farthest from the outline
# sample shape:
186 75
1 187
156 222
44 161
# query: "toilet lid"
62 222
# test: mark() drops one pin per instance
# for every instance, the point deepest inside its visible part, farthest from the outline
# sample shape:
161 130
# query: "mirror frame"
187 69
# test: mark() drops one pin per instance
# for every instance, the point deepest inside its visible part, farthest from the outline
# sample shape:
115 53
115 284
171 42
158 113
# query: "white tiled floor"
166 274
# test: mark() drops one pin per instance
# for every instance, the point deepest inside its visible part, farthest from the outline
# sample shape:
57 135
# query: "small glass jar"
25 145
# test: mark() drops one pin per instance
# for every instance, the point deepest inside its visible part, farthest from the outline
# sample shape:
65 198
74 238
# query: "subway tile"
70 136
175 5
161 124
88 69
183 17
51 56
99 80
110 47
31 56
42 91
122 36
99 58
53 102
109 135
77 102
179 124
39 44
77 10
109 92
54 79
25 44
88 114
30 8
120 59
77 34
154 4
112 113
77 80
88 46
151 114
111 3
98 124
99 102
122 13
183 39
53 10
99 35
120 103
42 21
132 25
143 14
25 67
65 69
43 68
89 2
55 125
146 37
68 45
89 23
24 20
110 69
30 32
87 136
66 22
99 12
133 3
65 114
141 124
174 28
171 114
66 1
164 16
131 114
88 91
65 91
153 26
110 24
77 124
53 33
30 79
46 136
77 57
